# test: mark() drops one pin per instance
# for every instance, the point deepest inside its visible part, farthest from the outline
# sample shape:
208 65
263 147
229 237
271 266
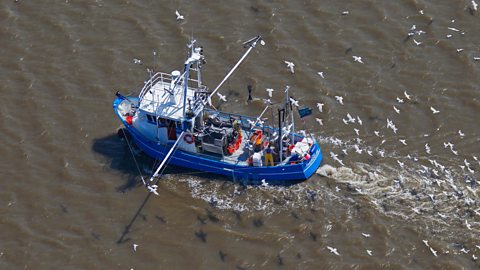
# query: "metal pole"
252 45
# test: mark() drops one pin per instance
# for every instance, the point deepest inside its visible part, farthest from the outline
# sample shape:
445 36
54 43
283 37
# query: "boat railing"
161 77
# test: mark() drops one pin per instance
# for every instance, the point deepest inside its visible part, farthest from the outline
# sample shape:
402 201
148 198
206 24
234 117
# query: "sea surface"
404 195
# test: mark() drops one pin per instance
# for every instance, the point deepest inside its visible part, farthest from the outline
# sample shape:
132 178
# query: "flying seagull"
339 99
333 250
179 16
270 91
321 74
357 59
290 65
222 97
435 111
320 106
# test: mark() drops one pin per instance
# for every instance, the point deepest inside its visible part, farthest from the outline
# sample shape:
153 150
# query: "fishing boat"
172 120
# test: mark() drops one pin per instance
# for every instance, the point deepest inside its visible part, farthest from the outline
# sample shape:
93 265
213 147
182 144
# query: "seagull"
357 149
294 102
319 121
337 189
179 17
418 43
396 109
222 97
320 106
464 250
403 142
427 148
468 225
366 235
359 120
346 12
321 74
339 99
357 59
459 50
135 247
270 91
345 121
474 5
137 61
474 257
434 252
402 164
290 65
476 58
153 189
345 152
377 133
369 252
453 29
382 153
461 133
399 100
357 131
407 96
435 111
333 250
350 118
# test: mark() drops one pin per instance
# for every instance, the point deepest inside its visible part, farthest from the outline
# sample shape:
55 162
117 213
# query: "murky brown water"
70 187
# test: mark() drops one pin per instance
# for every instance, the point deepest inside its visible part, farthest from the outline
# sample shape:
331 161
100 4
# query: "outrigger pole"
167 156
251 43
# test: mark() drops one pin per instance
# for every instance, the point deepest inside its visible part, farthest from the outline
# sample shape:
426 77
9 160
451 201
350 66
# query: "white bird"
333 250
474 5
434 252
377 133
403 142
407 96
357 131
137 61
366 235
459 50
396 109
413 27
291 66
464 250
426 243
153 189
339 99
179 16
427 148
345 121
369 152
453 29
448 144
321 74
270 92
135 247
337 189
357 59
435 111
418 43
359 120
402 165
319 121
357 149
294 102
399 100
345 12
461 133
382 153
469 226
369 252
350 118
474 257
476 58
222 97
320 106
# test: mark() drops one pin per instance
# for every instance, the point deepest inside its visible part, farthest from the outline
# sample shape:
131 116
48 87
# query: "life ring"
188 138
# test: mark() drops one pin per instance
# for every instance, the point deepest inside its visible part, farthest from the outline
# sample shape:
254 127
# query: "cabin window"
161 122
151 119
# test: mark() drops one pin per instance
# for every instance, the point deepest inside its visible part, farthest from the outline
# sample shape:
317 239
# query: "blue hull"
281 174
